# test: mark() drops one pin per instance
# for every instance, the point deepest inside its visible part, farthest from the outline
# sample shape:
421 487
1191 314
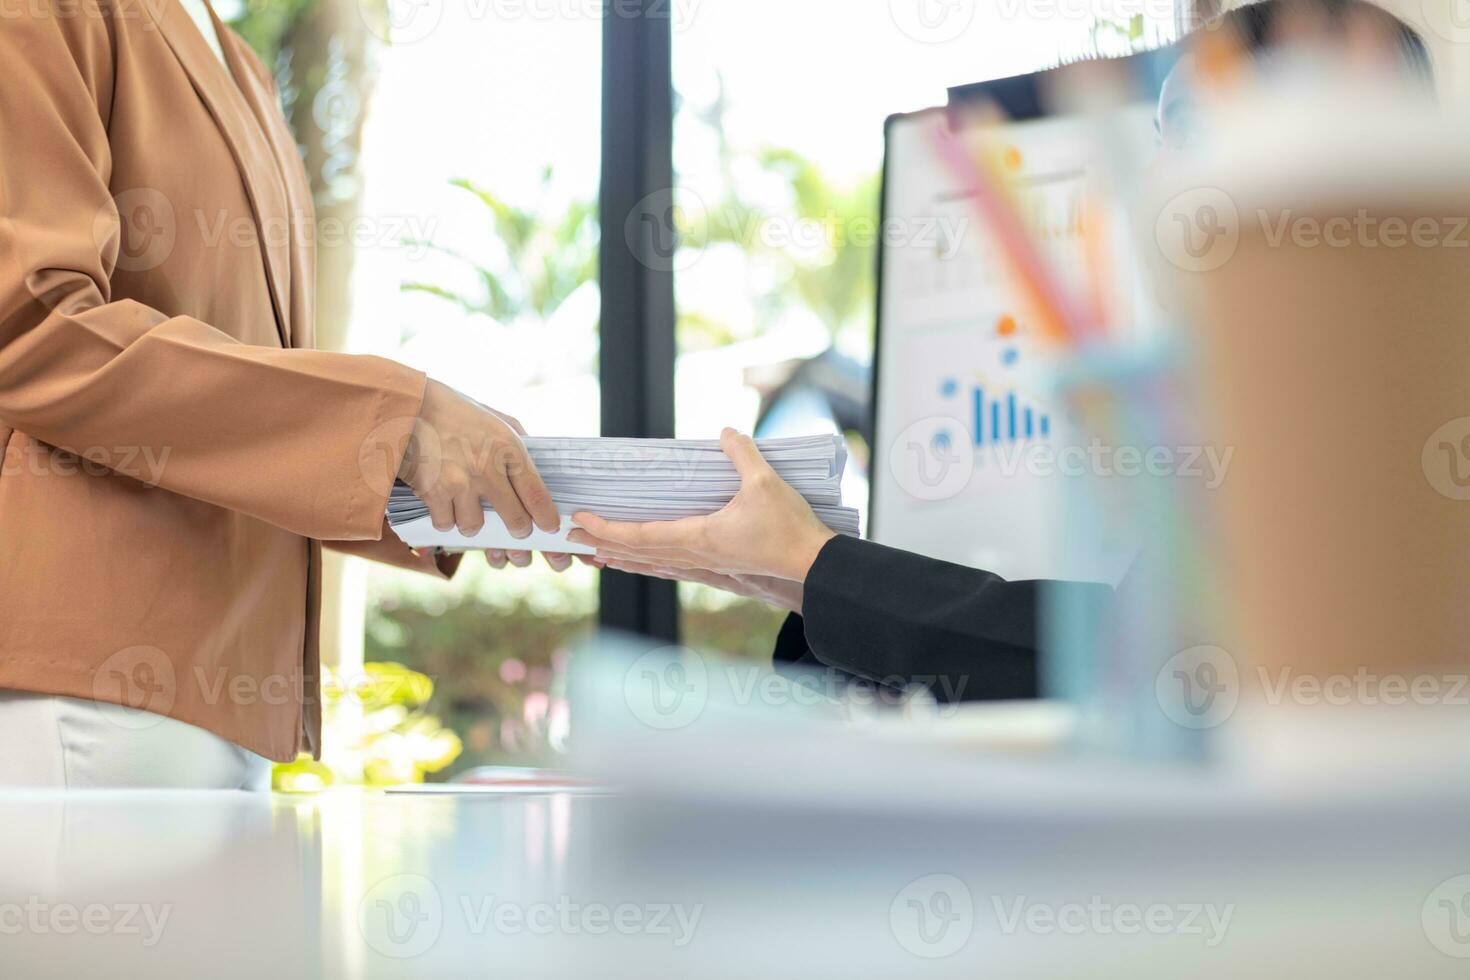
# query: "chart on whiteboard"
970 444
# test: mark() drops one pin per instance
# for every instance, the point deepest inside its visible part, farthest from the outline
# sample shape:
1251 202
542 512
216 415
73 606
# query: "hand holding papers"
637 481
461 453
770 529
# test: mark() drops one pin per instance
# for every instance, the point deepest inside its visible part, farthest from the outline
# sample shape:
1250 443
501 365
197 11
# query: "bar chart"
997 417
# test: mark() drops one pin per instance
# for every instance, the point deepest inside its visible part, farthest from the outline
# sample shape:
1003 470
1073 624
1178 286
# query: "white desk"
284 888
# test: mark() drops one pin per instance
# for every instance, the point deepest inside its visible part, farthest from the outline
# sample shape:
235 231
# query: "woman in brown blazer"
175 453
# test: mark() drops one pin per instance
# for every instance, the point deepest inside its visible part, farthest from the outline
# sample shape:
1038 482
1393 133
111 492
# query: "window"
456 172
777 151
487 131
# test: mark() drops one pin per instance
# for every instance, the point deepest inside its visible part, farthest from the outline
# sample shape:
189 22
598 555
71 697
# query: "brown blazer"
173 449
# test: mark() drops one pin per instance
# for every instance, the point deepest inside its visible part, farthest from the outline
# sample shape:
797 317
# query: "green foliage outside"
495 646
265 23
544 254
544 257
833 280
380 734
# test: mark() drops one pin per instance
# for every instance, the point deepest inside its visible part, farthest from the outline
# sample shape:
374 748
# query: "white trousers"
66 743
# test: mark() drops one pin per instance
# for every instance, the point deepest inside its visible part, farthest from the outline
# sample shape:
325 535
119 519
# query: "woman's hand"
462 453
767 530
499 558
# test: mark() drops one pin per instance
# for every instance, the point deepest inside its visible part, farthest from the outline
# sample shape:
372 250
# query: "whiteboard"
965 413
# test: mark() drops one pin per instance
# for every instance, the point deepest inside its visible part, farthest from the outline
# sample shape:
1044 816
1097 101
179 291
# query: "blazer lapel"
248 145
265 104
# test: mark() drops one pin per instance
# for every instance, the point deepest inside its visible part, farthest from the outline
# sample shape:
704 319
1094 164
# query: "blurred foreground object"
1320 262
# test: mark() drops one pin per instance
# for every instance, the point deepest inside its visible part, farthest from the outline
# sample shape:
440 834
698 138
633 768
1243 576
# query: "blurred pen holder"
1136 661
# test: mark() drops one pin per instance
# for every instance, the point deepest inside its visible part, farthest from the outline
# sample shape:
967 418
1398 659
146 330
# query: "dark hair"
1256 27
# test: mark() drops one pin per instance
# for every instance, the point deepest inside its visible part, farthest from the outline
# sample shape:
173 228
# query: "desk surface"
364 884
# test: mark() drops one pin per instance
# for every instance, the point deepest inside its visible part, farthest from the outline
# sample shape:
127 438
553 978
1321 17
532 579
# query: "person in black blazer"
888 616
903 620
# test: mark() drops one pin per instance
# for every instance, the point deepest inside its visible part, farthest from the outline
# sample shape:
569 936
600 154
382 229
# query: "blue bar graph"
1008 422
979 416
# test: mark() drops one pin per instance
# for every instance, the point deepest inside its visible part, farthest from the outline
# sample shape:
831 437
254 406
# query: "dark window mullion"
635 269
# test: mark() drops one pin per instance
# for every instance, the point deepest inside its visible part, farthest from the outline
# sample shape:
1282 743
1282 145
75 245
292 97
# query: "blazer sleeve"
897 618
275 434
390 550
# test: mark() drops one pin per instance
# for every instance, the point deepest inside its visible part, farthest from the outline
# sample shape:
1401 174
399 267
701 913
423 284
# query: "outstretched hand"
768 530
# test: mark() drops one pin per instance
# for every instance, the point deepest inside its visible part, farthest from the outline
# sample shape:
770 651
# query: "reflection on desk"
364 884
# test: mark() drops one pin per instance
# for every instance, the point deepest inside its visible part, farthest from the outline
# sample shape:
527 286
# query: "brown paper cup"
1340 374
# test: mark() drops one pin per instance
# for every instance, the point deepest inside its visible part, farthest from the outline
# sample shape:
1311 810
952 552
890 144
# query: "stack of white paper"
639 480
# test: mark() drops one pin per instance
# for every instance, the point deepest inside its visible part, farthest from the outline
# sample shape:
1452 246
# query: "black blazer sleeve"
898 619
